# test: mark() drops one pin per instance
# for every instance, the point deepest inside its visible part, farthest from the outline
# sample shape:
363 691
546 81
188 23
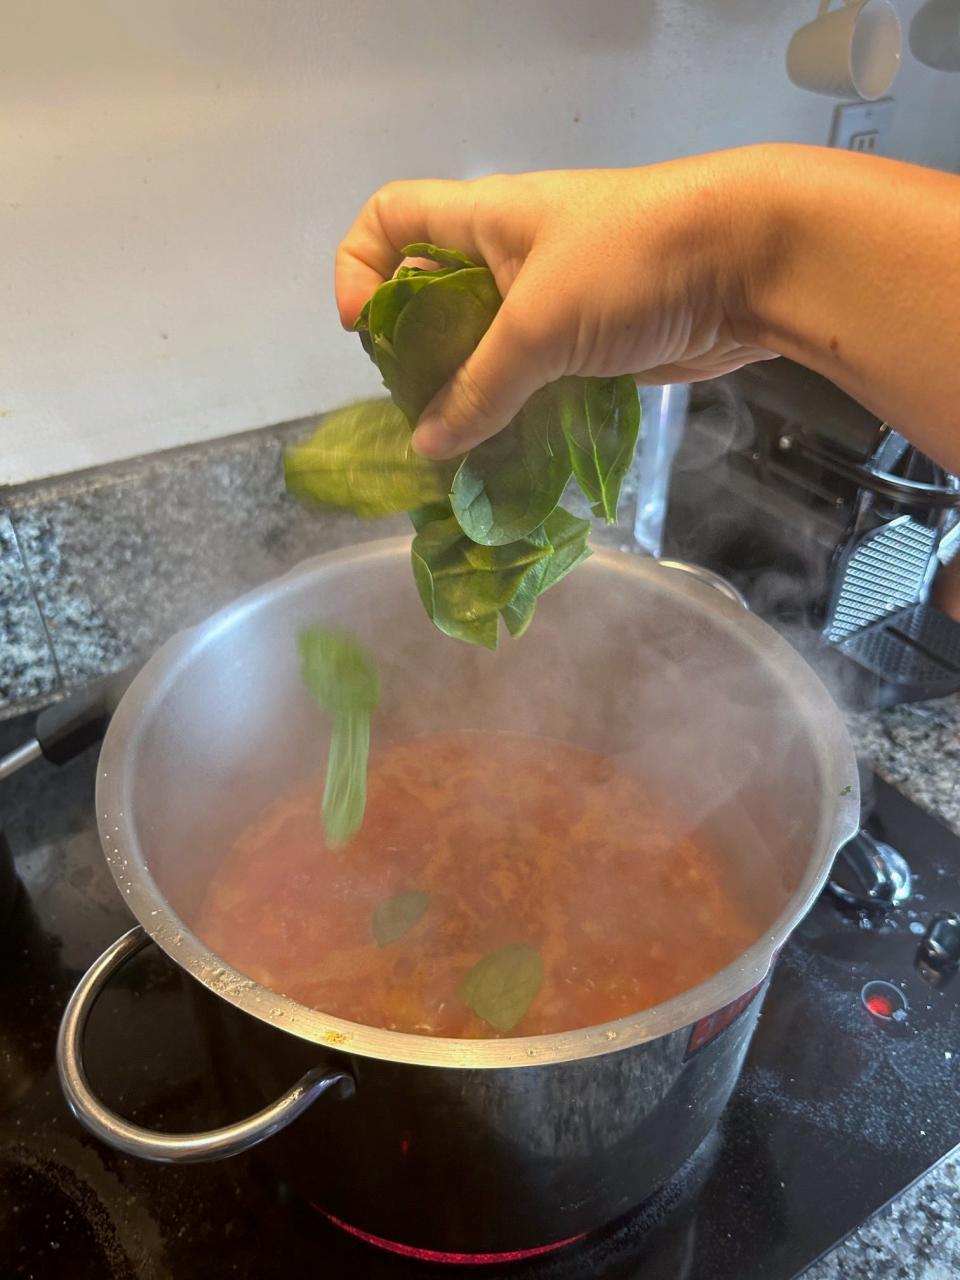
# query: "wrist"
761 210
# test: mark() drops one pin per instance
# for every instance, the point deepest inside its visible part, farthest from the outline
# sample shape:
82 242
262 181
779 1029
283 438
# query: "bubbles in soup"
527 879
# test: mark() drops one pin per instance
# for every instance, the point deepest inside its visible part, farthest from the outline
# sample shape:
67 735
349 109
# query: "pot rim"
831 744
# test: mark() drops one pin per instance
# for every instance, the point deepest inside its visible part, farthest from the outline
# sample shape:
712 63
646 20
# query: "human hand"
602 272
686 270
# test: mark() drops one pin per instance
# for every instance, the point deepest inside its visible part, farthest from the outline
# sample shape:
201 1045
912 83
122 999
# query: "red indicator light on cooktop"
884 1001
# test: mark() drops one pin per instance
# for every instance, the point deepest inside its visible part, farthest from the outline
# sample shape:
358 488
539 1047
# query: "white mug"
852 51
935 35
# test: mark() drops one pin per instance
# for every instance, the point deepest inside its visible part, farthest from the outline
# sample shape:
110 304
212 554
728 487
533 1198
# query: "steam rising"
660 673
781 563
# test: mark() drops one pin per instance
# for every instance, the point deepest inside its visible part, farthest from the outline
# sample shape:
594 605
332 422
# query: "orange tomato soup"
515 839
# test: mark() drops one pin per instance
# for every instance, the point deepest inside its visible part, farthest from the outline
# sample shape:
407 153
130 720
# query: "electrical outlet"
863 126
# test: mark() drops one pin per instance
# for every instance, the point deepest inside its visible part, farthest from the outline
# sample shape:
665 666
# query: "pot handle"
170 1148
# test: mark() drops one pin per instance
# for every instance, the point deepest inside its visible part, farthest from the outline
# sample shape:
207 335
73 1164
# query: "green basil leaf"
601 421
407 273
397 915
419 328
345 791
450 258
436 331
362 321
361 458
339 673
568 537
507 486
427 515
385 308
464 586
387 304
503 985
518 613
367 343
417 358
343 679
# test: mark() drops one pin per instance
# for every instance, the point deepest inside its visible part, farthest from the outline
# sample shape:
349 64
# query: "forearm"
857 275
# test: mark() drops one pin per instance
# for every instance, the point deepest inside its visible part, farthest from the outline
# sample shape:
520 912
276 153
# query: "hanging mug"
935 35
849 52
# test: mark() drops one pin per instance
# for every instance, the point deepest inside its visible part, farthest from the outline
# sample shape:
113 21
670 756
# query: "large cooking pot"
472 1145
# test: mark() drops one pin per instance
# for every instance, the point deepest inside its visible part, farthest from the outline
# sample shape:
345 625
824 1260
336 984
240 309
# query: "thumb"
493 384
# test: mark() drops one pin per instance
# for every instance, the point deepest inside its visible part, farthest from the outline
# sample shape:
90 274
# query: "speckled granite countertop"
98 567
917 1237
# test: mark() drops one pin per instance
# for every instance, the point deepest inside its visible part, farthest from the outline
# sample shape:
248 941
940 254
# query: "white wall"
174 177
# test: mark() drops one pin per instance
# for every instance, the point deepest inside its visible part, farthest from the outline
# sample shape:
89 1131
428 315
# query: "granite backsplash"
99 567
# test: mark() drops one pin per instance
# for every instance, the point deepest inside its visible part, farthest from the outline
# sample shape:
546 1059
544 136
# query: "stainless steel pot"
479 1145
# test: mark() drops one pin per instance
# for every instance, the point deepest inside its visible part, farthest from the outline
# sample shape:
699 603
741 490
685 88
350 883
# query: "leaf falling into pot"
343 679
362 459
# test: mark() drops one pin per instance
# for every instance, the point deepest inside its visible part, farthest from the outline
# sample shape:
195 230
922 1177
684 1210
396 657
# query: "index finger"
399 214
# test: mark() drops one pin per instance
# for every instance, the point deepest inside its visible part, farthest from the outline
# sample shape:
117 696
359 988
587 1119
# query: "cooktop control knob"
869 874
940 945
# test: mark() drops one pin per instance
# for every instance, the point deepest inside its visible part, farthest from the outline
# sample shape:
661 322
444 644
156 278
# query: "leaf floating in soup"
511 800
396 916
501 987
343 679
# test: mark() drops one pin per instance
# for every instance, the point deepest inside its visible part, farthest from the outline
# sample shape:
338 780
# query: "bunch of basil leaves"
490 536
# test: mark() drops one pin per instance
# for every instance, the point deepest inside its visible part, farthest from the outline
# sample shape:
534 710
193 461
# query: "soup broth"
497 839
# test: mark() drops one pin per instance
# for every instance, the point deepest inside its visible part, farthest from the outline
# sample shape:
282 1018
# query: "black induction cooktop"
848 1095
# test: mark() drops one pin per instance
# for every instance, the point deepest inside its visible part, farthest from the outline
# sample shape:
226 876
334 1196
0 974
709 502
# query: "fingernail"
434 439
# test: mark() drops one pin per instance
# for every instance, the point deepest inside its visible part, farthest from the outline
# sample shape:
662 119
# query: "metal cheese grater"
888 569
915 652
